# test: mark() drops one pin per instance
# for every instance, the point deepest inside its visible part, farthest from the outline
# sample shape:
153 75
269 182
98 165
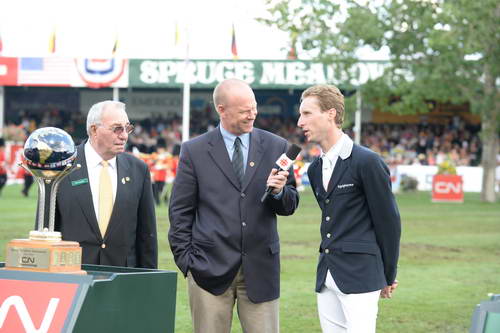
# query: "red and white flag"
234 49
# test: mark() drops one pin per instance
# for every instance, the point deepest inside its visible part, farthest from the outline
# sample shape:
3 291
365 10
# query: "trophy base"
44 256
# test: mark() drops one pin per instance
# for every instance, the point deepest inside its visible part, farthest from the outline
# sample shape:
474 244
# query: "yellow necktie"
105 198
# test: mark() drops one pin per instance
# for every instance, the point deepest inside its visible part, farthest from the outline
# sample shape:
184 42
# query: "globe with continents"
48 151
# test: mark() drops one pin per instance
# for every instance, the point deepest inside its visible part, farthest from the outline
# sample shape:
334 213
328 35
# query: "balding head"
227 88
235 103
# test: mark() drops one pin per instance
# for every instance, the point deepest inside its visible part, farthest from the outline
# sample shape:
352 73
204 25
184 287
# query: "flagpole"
186 95
357 117
116 90
116 94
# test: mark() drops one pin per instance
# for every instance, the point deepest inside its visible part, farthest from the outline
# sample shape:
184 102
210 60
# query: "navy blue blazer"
218 226
360 222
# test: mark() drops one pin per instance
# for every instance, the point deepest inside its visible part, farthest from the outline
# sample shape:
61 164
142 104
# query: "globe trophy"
50 154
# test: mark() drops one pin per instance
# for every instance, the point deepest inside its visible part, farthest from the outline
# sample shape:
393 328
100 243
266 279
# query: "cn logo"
35 306
18 304
447 187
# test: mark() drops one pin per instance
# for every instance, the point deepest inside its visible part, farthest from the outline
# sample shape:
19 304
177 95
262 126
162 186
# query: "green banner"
264 74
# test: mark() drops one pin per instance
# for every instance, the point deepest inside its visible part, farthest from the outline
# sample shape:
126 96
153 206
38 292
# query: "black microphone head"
293 151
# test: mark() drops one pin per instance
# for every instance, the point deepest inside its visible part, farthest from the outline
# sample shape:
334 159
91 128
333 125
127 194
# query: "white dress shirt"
330 159
94 169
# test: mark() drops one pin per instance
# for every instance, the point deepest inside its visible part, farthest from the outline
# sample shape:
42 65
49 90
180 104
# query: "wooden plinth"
44 256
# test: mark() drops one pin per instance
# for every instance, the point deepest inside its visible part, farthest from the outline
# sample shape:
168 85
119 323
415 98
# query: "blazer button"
327 201
103 245
328 235
243 224
327 251
327 218
242 194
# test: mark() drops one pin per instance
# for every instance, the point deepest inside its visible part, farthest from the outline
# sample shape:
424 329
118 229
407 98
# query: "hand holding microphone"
284 163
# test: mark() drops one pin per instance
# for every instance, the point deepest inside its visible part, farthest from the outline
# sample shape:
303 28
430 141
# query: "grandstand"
58 92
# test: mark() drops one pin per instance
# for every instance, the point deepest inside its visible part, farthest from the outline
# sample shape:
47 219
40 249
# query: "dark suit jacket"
216 226
360 223
130 238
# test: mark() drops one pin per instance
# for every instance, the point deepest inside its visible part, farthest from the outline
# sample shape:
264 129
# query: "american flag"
53 71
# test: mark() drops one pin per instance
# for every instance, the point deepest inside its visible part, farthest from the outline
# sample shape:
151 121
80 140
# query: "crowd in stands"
424 144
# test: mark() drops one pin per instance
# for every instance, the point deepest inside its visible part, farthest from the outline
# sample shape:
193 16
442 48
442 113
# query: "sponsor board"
447 188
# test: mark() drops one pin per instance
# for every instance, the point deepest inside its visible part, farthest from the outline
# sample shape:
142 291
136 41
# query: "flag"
115 46
52 42
292 53
177 35
51 71
234 50
8 71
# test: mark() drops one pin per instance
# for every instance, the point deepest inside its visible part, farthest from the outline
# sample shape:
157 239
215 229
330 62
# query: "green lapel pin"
79 182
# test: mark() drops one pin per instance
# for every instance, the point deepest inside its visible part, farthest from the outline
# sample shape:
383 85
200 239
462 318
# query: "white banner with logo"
472 177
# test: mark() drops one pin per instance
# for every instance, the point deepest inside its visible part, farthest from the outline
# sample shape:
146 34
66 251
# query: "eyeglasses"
120 129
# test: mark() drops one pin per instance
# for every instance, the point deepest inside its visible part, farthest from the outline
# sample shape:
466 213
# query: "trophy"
50 154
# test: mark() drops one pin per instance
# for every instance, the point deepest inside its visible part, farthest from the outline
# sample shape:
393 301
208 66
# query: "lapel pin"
123 181
252 164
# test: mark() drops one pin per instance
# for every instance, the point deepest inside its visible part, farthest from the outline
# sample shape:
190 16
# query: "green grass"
450 261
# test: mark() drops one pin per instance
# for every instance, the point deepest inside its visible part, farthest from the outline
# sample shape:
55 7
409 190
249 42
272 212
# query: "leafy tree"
439 50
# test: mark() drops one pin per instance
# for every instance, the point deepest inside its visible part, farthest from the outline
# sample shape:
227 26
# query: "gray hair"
95 113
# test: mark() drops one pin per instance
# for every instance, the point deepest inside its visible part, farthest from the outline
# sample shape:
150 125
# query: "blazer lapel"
316 178
342 164
122 190
83 193
254 157
217 150
338 172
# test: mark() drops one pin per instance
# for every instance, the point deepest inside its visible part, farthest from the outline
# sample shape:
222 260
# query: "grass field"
450 261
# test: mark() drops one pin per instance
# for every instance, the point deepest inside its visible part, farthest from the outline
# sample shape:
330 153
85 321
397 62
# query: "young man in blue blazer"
360 222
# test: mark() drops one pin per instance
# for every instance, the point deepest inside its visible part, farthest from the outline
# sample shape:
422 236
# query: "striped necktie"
238 160
105 198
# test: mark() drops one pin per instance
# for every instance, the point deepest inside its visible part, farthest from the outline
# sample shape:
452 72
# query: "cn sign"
447 188
34 306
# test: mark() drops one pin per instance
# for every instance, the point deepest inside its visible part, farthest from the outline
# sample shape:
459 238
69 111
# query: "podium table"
107 299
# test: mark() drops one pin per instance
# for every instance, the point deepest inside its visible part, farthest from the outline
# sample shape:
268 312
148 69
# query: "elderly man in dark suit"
107 205
360 223
222 237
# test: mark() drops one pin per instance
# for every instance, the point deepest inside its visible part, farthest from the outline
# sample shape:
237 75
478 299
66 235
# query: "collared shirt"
229 142
245 146
330 159
94 169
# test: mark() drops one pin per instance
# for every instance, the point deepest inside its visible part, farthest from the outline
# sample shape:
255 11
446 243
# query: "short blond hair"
329 97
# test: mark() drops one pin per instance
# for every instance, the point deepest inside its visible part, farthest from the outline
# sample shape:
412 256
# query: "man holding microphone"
224 239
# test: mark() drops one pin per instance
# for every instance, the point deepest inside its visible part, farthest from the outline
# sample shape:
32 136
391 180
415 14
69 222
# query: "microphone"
284 163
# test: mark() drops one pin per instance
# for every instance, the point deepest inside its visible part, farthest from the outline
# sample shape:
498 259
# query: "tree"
439 50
